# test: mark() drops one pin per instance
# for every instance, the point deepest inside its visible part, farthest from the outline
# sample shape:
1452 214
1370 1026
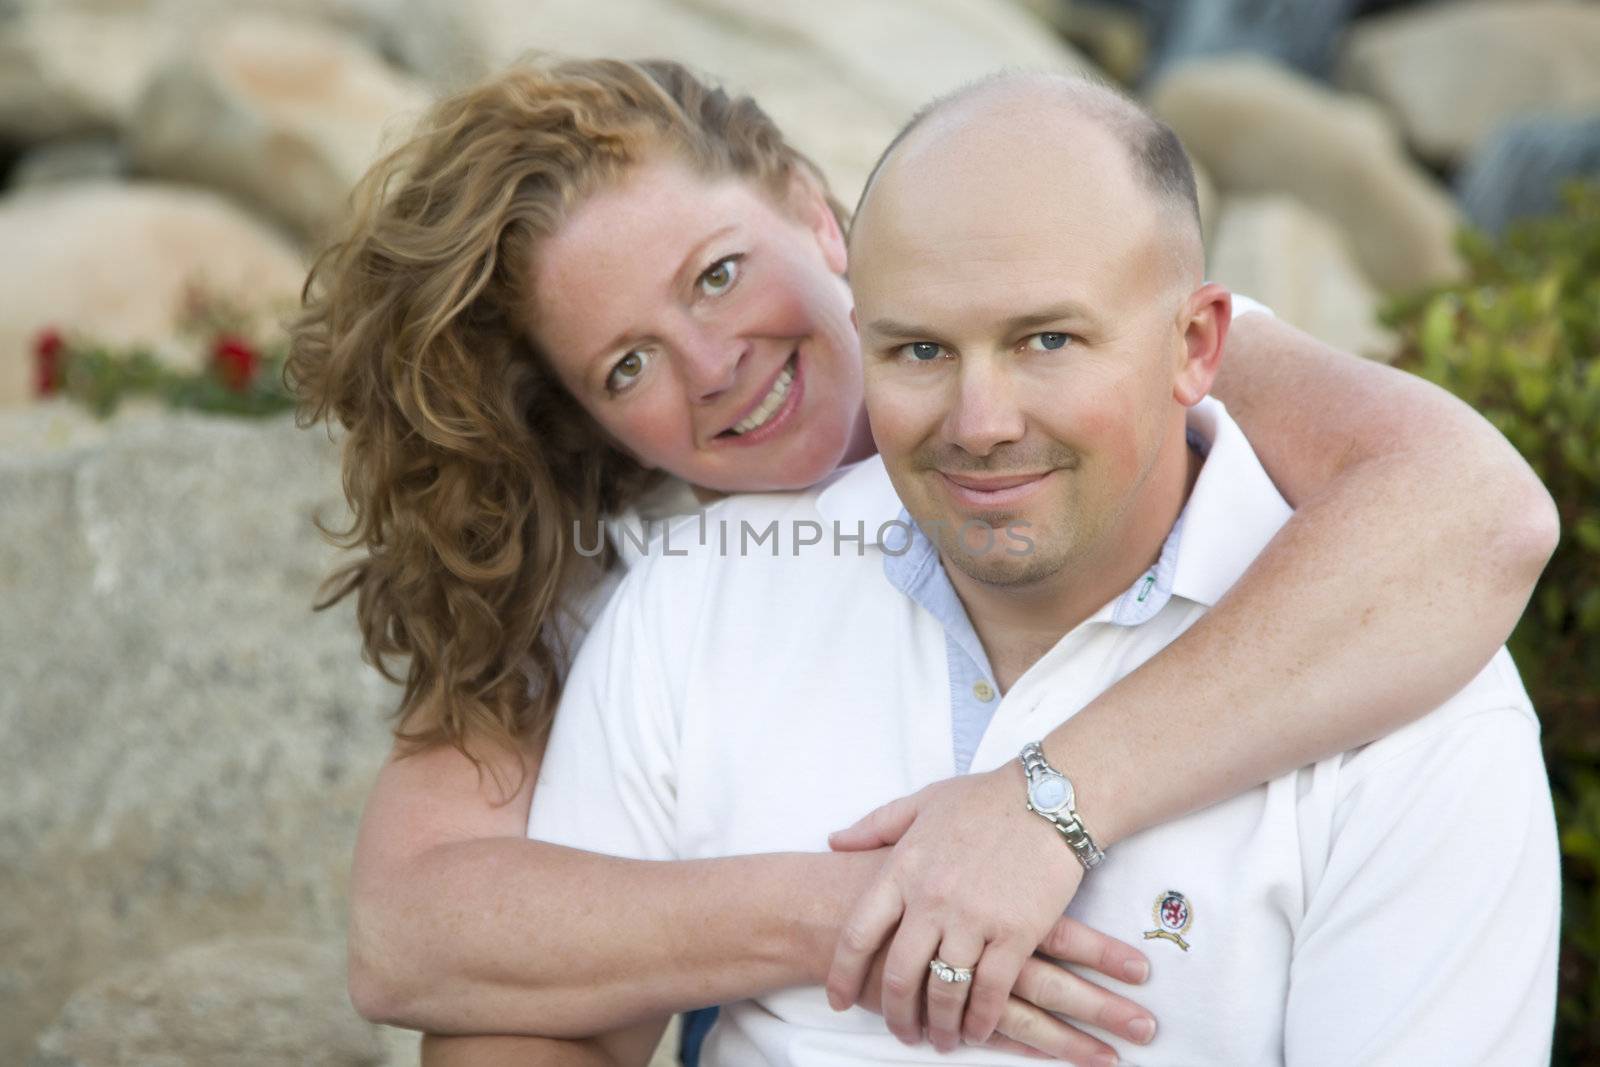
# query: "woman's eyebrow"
689 267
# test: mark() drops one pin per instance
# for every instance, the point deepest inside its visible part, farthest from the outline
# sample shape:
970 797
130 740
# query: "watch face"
1050 793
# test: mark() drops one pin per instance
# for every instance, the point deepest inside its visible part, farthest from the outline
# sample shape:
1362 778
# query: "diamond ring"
946 973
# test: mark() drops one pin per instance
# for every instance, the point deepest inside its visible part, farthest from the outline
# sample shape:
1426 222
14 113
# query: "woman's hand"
1044 987
977 881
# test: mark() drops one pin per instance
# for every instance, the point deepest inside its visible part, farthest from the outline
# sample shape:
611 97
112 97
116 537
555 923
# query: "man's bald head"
1050 105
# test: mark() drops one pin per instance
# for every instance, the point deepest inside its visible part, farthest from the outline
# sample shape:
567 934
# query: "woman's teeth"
774 400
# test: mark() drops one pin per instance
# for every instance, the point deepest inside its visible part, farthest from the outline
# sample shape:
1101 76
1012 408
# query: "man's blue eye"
1049 342
923 350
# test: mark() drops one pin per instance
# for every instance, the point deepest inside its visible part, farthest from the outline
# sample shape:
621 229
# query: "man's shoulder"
1492 705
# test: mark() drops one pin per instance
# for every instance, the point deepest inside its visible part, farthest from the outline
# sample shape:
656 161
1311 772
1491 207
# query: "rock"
67 71
185 745
115 262
1453 73
285 116
1258 128
1274 250
86 159
1111 35
1300 34
1520 170
810 66
244 1001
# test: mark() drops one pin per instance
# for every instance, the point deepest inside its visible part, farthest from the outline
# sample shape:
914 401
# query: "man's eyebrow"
1070 310
679 279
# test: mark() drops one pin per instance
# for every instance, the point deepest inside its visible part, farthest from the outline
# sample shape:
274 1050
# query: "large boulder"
1453 73
117 262
1274 250
231 1002
1259 128
839 76
284 115
185 745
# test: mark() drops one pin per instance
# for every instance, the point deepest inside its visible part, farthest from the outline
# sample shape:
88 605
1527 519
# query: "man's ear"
1206 317
812 207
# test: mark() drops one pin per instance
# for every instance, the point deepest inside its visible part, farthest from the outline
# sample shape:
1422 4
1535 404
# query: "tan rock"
114 262
1259 128
232 1002
285 116
839 76
1274 250
1452 73
65 71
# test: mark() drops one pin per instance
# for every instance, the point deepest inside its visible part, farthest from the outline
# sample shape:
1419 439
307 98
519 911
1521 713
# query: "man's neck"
1019 624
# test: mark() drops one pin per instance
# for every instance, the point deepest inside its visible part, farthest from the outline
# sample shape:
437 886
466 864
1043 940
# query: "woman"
540 314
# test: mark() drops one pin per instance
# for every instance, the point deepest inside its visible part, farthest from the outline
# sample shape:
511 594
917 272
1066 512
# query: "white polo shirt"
1397 904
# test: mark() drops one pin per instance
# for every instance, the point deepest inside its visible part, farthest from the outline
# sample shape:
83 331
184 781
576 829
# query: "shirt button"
983 691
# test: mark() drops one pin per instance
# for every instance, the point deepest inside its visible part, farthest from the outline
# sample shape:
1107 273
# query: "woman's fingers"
991 985
1072 942
1031 1026
1056 989
948 1000
878 828
869 924
905 976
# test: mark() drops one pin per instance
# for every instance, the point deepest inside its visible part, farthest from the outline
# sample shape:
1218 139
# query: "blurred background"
184 746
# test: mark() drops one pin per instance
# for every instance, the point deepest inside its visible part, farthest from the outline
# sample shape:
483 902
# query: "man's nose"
710 361
985 412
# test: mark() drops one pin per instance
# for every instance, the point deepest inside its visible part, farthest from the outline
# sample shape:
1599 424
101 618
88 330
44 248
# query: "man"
1038 347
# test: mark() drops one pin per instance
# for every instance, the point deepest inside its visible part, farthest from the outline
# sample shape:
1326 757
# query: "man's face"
1020 334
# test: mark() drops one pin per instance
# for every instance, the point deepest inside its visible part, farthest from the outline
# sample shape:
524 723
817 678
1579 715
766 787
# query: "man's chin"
1001 567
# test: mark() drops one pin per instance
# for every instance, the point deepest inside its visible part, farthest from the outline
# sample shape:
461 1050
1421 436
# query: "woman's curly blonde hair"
466 464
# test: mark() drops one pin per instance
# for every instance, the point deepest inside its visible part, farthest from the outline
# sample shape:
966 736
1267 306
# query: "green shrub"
1519 340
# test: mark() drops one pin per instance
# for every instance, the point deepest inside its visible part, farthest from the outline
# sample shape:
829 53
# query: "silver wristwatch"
1050 795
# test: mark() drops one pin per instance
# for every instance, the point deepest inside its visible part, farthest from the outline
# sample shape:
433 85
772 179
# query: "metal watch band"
1066 822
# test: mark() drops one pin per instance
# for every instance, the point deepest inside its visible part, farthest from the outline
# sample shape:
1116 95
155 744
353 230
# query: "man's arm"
1431 934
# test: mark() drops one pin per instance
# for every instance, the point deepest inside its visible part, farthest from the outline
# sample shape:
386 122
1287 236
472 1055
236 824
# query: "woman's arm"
1417 539
461 925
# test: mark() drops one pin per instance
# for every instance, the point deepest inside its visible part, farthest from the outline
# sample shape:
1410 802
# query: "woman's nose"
711 363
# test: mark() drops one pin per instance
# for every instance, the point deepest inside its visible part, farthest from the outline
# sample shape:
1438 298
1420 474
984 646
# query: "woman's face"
705 327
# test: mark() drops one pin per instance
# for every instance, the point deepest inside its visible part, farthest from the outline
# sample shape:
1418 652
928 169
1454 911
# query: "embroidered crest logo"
1173 916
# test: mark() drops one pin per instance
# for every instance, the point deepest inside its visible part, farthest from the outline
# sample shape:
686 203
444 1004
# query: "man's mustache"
1007 459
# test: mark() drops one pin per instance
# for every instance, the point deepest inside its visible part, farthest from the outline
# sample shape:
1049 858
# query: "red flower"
49 351
236 361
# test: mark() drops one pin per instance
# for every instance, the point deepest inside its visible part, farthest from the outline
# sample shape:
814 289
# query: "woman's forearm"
523 937
459 924
1418 537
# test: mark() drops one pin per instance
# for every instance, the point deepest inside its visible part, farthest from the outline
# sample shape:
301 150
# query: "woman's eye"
1048 342
921 351
720 276
627 370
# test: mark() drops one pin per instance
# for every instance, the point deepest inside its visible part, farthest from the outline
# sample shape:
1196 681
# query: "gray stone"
1259 128
58 162
1520 170
232 1002
1453 73
185 744
1301 34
